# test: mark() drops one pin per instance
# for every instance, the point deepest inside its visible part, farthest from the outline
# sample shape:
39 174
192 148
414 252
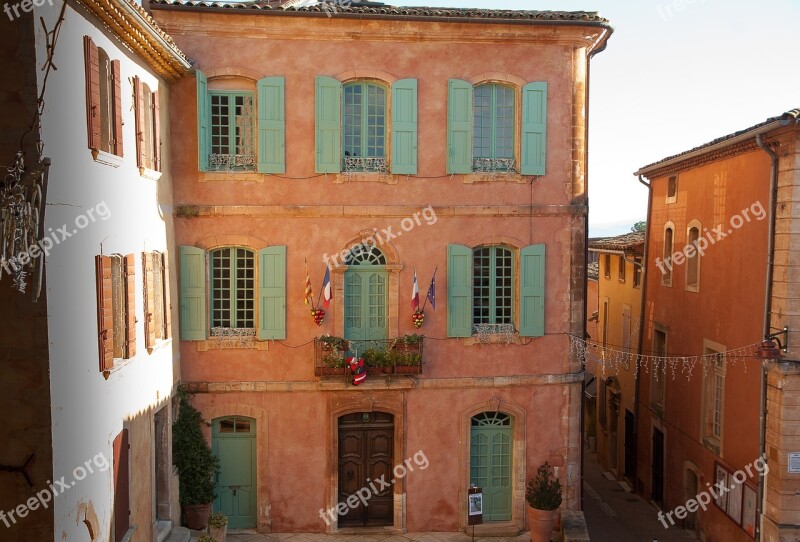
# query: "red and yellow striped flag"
309 295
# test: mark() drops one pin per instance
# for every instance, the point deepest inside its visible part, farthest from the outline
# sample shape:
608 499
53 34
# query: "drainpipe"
605 37
773 202
642 308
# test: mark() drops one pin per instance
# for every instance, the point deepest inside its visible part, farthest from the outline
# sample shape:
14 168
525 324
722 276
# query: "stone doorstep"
163 530
488 530
179 534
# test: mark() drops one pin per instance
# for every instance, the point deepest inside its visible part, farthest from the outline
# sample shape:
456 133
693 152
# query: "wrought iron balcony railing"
402 355
232 162
494 165
360 164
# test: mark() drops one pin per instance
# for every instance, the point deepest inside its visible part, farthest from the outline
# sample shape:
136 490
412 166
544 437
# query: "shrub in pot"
543 494
195 462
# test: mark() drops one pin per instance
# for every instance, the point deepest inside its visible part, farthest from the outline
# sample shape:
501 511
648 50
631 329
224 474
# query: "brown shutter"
129 278
117 107
138 115
149 301
167 298
156 135
105 315
92 67
122 499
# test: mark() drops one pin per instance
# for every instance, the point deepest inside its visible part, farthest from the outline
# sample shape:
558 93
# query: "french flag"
327 293
415 293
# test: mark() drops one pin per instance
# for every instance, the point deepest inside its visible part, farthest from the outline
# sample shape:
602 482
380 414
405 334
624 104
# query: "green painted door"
365 300
234 442
490 463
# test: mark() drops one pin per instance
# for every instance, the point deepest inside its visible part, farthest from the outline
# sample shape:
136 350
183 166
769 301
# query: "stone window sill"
226 343
160 343
494 177
237 176
151 174
106 158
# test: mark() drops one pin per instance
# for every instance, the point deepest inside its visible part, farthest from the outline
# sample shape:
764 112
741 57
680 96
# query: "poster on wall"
721 481
749 511
735 503
475 506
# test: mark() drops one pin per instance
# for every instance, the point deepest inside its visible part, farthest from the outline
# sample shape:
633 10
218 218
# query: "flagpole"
424 303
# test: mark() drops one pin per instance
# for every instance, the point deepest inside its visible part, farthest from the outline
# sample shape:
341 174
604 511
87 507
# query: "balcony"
401 355
232 162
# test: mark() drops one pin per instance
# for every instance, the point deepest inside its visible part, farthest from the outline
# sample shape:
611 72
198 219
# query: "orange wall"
727 309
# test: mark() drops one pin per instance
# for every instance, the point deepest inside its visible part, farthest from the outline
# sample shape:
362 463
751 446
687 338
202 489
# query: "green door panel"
490 469
365 308
235 486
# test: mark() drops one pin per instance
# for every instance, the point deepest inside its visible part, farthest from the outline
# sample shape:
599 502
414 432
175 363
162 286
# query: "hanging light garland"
609 360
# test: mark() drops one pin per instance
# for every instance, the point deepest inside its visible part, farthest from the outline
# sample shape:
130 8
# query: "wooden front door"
234 442
490 462
366 444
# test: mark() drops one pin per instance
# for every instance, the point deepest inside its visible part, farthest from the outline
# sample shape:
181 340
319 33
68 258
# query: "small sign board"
794 462
475 506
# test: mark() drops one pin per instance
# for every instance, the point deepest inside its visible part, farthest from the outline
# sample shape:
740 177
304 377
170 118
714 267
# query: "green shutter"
534 128
328 125
459 127
531 291
193 293
404 127
272 293
203 112
459 291
271 126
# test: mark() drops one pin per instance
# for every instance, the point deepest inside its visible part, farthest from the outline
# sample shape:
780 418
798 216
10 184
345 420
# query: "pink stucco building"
379 141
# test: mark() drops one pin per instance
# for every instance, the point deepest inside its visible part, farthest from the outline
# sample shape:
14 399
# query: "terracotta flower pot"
541 523
196 515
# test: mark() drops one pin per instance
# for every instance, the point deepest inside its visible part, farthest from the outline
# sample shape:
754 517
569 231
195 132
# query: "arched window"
491 419
362 254
693 261
666 269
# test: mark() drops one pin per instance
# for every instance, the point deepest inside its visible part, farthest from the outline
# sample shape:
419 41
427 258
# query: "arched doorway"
366 297
233 441
491 437
366 450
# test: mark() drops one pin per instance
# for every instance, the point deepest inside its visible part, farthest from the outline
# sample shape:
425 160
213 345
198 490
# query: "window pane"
494 119
220 121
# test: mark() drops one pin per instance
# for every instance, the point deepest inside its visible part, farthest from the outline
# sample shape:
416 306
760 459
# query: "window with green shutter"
193 293
364 112
483 134
272 293
271 125
483 284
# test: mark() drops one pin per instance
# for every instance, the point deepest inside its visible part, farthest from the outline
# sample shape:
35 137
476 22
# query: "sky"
676 74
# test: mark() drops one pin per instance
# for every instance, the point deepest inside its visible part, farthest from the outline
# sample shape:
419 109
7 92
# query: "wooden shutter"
115 74
328 117
534 129
271 125
121 449
459 126
139 116
167 298
105 313
92 66
193 293
156 133
149 300
272 293
404 127
203 112
129 279
531 291
459 291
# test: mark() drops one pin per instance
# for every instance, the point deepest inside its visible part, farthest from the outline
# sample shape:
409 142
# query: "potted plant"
543 494
329 342
332 355
205 537
378 360
195 462
218 526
